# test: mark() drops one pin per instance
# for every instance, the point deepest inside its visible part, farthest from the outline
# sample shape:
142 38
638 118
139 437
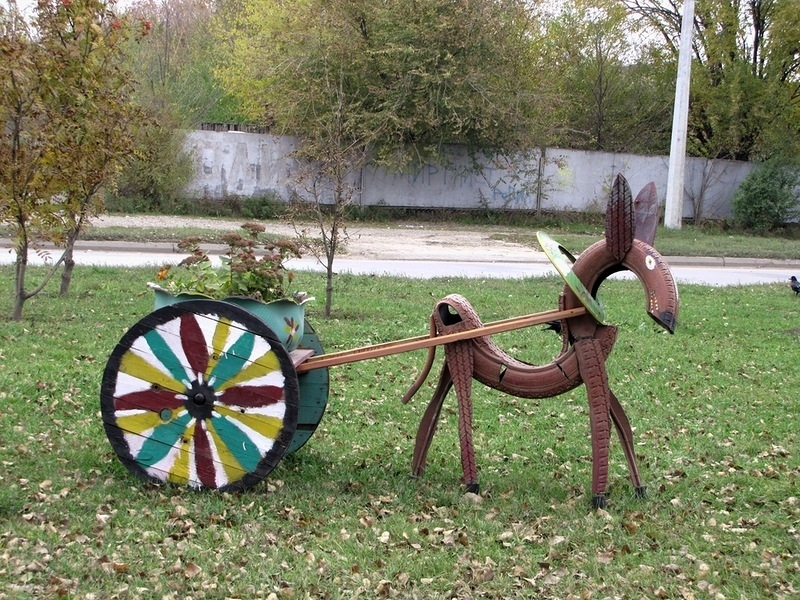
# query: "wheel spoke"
200 393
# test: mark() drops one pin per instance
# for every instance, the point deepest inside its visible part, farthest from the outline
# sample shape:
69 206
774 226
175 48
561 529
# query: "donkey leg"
593 372
430 419
625 434
459 359
426 369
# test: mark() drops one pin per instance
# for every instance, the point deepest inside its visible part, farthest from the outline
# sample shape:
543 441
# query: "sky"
27 5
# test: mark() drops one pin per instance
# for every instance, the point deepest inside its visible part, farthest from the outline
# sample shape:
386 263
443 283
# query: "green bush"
768 197
158 172
269 205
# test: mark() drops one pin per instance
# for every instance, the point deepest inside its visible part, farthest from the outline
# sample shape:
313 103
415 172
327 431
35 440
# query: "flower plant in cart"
252 267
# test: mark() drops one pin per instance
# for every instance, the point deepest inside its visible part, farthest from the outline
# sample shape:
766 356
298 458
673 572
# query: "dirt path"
390 242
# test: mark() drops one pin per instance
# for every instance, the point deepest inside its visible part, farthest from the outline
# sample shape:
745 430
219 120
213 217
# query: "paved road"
706 271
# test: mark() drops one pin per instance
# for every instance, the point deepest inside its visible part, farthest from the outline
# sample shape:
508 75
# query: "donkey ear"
620 222
646 208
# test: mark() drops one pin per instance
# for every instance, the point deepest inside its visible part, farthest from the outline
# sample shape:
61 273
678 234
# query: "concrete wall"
250 164
239 164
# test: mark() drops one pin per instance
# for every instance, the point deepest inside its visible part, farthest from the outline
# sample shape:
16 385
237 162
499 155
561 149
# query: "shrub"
158 171
768 197
269 205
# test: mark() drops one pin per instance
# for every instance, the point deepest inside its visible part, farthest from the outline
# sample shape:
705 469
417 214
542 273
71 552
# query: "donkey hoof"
598 501
640 492
473 488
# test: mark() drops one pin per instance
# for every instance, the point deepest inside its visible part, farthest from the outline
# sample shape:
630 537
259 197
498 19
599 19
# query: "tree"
89 99
175 63
617 87
392 83
159 167
64 117
745 99
178 90
24 146
325 184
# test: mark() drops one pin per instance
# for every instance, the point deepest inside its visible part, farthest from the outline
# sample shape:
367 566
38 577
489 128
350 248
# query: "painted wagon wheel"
200 393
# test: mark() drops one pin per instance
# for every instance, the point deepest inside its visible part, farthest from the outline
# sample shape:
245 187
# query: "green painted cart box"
286 319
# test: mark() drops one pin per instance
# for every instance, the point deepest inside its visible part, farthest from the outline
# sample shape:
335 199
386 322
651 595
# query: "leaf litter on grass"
713 408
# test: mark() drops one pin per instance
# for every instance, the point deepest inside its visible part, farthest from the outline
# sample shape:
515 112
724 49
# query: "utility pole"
680 119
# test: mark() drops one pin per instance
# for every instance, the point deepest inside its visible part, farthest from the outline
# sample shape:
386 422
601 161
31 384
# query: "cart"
202 393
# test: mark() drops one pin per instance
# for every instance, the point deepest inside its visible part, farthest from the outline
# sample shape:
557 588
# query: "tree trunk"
20 296
331 248
20 272
69 265
328 289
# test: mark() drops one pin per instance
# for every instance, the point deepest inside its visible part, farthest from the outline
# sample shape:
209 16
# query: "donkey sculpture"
586 344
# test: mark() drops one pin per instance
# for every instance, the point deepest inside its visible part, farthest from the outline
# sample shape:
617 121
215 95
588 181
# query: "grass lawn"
715 410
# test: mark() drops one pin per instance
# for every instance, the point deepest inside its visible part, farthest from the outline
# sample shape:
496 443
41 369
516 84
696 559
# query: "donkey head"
627 245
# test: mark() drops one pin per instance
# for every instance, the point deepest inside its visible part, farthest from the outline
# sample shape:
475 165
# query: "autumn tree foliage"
178 90
616 86
24 145
745 98
90 102
392 83
67 126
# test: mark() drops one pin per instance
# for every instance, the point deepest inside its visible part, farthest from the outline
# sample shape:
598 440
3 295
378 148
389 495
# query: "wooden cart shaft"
426 341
